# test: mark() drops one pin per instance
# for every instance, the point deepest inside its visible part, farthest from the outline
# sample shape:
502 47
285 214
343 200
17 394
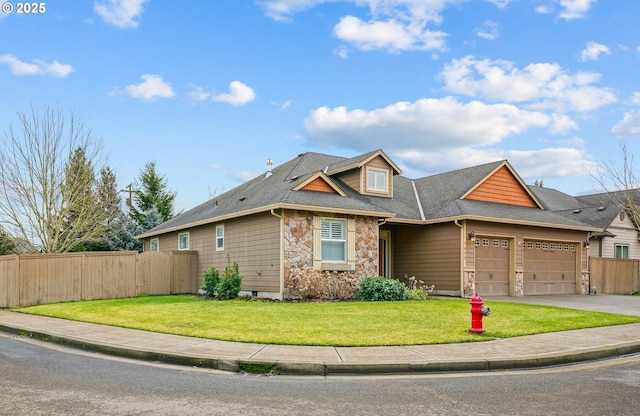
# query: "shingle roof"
270 190
439 196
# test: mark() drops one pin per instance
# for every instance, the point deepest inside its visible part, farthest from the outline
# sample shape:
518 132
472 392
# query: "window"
334 240
219 237
154 245
622 251
377 180
183 241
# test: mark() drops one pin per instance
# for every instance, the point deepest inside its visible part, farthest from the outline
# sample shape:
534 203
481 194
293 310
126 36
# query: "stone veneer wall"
586 277
298 244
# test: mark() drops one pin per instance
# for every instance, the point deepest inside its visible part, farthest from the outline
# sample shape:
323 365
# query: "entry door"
492 266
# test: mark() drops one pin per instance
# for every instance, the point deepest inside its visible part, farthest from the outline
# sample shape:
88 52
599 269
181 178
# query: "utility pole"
129 189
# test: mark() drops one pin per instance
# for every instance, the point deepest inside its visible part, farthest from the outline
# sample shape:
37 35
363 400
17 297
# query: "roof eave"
266 208
585 228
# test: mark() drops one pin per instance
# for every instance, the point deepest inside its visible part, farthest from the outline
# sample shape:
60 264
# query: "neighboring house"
475 230
619 237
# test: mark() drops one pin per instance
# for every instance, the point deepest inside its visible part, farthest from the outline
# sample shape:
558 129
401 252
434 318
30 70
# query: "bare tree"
618 180
40 200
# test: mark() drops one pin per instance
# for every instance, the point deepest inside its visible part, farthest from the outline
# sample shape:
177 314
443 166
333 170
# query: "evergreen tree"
7 243
152 193
118 234
81 198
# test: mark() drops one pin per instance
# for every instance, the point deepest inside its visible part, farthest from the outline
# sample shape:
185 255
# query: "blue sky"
210 89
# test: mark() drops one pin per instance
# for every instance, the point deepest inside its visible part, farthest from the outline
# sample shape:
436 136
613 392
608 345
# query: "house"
474 230
619 237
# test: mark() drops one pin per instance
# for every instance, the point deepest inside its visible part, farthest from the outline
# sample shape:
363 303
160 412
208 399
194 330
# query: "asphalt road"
45 379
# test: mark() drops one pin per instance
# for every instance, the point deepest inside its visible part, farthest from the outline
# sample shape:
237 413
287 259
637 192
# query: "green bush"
211 281
416 294
230 283
226 286
382 289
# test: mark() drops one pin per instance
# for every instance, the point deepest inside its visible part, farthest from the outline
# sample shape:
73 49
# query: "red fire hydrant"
477 312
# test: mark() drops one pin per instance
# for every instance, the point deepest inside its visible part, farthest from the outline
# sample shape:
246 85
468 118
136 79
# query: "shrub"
230 283
226 286
416 294
315 284
211 281
381 289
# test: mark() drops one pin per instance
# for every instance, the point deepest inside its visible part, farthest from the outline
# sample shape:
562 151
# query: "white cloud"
392 25
636 97
281 10
391 35
554 162
488 30
428 123
197 94
239 94
244 175
629 126
152 87
37 67
593 51
543 9
120 13
539 86
575 9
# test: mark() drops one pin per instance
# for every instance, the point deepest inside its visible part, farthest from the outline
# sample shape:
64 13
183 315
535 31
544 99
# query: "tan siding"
253 242
352 179
430 253
502 187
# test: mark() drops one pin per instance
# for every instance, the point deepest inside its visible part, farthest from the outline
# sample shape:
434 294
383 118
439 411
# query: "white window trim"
621 246
220 227
188 241
157 244
371 188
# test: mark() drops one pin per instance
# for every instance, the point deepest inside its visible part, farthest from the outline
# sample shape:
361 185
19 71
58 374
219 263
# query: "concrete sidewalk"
513 353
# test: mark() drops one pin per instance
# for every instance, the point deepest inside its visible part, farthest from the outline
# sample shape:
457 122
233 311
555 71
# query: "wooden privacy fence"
614 276
31 279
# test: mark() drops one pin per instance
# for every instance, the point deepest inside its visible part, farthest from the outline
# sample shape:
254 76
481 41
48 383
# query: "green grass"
433 321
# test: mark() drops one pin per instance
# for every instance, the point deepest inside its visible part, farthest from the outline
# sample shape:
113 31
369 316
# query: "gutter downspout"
281 265
462 255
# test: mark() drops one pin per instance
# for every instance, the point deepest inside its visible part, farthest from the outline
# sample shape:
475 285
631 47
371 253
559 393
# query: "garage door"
492 266
549 268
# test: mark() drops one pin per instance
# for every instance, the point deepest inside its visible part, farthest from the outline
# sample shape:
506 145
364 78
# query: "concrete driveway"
625 305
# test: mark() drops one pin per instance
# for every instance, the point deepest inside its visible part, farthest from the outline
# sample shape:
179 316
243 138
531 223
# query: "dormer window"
377 180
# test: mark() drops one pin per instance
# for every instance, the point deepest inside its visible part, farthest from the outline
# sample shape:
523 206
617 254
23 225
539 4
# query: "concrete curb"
323 369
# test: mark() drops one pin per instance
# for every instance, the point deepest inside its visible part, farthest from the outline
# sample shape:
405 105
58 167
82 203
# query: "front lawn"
434 321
